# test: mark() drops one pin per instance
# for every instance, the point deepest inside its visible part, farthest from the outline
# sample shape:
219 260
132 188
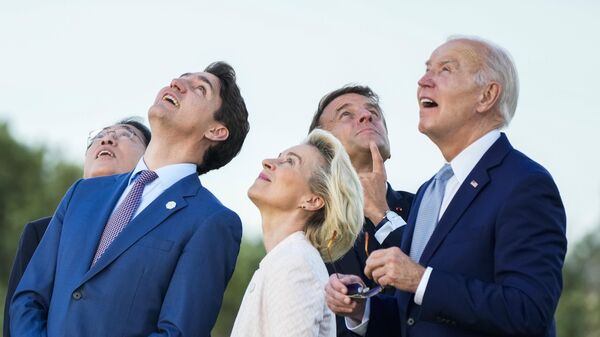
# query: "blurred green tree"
33 179
578 313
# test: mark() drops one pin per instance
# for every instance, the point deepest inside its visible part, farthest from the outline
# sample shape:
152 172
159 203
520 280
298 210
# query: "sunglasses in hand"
356 290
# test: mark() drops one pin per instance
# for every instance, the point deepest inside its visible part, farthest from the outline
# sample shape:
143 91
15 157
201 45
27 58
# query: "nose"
268 164
177 84
425 80
365 116
110 138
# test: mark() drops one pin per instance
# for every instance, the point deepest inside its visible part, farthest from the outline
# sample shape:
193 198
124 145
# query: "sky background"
67 67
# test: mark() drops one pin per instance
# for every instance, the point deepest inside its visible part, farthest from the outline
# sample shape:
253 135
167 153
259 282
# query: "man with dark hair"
112 150
149 252
352 114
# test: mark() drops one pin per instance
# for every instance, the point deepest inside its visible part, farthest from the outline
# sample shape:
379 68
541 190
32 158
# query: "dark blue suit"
164 275
353 262
30 239
496 253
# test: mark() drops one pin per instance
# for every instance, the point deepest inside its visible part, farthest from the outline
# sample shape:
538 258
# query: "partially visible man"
353 114
112 150
483 254
148 253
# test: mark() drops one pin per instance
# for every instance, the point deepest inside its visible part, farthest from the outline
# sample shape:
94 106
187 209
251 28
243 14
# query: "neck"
362 163
279 225
452 145
161 153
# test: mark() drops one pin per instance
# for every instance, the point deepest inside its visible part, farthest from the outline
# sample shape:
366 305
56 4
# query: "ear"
313 203
217 133
489 97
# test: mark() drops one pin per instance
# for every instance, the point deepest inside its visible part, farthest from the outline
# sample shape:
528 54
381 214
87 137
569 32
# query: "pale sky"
67 67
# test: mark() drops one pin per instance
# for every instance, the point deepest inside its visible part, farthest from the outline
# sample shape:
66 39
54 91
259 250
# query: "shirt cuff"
422 286
360 328
393 222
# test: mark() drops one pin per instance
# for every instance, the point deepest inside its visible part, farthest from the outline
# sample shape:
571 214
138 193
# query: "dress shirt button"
410 321
76 295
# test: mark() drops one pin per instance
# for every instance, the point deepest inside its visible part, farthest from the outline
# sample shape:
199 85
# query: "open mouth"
104 153
171 99
428 103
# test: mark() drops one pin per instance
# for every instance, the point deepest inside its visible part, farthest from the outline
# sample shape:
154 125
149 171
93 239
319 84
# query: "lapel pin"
170 205
474 184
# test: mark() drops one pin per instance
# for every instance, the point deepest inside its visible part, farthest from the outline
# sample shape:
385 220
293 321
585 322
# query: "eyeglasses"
119 132
355 290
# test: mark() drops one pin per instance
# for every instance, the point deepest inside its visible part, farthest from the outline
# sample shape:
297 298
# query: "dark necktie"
124 212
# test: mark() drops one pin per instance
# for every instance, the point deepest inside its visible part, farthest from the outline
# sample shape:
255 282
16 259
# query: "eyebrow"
369 105
442 63
201 78
292 154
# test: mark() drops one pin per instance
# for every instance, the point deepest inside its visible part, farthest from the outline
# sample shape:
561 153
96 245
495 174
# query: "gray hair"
498 66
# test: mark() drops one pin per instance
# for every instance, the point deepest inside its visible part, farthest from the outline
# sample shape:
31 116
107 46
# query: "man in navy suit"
165 272
112 150
353 115
492 264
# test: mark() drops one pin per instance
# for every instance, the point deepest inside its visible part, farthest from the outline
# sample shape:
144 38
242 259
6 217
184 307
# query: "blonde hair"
334 228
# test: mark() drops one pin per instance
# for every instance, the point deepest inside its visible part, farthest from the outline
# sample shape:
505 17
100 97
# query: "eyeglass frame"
96 133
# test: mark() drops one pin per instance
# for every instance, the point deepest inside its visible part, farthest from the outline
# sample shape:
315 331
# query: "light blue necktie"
429 211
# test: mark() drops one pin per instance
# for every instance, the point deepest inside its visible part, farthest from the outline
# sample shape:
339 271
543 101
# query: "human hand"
339 302
391 267
374 187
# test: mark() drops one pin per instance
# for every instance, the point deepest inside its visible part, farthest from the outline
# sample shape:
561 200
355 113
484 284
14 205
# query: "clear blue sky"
67 67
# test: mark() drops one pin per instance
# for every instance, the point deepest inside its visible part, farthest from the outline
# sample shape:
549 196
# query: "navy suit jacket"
353 262
164 275
30 239
496 253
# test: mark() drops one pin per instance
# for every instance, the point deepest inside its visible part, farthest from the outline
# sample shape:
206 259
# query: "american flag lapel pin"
474 183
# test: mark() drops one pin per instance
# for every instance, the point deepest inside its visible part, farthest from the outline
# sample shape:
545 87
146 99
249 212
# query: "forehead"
309 155
210 79
469 54
350 100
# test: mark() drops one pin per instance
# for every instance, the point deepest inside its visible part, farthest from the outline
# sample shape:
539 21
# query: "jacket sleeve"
29 306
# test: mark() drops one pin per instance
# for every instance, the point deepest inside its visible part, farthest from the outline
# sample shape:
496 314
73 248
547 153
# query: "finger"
378 166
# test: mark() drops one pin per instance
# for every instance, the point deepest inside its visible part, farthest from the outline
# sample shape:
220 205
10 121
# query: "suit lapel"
465 195
412 219
153 215
92 225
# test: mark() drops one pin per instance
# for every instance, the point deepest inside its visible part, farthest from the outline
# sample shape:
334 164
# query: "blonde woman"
310 201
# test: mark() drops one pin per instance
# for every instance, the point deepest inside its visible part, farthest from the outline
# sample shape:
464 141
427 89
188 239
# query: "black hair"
362 90
232 113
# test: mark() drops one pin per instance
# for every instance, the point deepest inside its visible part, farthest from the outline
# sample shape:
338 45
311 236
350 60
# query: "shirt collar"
466 160
168 175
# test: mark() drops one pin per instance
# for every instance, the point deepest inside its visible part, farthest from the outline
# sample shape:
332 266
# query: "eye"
202 89
446 69
289 160
345 114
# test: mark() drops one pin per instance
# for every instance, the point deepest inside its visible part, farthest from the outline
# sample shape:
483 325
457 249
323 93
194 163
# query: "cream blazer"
286 296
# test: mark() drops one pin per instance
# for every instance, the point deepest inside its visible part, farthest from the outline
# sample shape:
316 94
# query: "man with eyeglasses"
148 253
112 150
353 115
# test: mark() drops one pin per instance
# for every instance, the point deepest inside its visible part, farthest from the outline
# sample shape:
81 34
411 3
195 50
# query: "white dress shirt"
167 177
461 165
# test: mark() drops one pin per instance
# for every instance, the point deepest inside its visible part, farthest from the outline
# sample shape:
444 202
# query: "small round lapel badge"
171 205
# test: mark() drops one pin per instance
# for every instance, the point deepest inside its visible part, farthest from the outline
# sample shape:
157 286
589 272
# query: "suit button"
410 321
76 295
